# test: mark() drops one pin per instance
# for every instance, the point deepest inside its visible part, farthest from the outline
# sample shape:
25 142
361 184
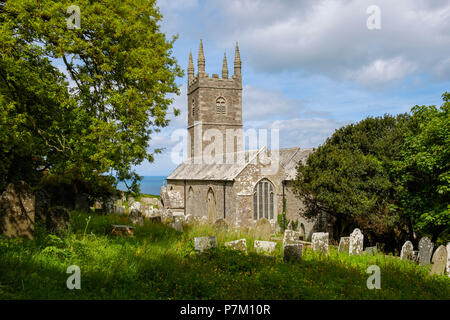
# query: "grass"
160 263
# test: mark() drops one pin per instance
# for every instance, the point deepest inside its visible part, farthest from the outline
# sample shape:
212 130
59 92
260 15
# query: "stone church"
235 186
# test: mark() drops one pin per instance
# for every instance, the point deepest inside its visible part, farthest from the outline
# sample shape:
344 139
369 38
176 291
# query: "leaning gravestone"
221 224
344 244
425 251
264 246
58 220
262 229
292 252
448 259
439 261
17 211
239 245
407 251
203 244
320 241
356 242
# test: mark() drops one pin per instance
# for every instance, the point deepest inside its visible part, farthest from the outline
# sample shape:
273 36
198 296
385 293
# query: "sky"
312 66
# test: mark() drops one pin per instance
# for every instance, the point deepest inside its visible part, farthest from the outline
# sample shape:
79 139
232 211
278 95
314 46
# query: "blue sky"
312 66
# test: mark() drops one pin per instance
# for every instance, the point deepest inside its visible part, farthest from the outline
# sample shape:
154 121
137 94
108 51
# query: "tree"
424 171
350 179
120 69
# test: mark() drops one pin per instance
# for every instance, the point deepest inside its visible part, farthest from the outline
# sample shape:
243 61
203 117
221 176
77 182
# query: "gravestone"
189 219
155 219
292 252
415 256
264 246
108 205
425 251
58 220
82 202
121 230
203 244
17 211
448 259
262 229
177 224
344 244
407 251
119 210
221 224
356 242
320 241
291 237
136 217
439 261
239 245
371 250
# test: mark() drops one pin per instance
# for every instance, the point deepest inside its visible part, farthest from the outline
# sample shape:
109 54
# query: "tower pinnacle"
225 67
201 59
190 67
237 62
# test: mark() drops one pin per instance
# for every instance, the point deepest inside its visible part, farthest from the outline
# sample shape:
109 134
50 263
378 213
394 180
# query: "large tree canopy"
349 178
424 171
82 102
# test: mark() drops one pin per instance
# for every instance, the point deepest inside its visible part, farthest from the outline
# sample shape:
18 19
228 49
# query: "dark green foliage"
350 178
121 69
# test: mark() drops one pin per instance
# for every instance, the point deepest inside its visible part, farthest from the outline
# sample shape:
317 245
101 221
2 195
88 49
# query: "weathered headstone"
448 259
407 251
356 242
58 220
203 244
291 237
239 245
265 246
108 205
82 202
439 261
415 256
320 241
221 224
136 217
17 211
292 252
119 210
371 250
122 230
155 219
425 250
344 244
262 229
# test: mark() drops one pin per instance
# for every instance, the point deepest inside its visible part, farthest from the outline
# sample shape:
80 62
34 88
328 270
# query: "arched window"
263 200
220 105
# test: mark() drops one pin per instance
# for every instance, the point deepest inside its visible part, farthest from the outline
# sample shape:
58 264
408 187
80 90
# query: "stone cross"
344 244
407 251
320 242
439 261
356 242
425 251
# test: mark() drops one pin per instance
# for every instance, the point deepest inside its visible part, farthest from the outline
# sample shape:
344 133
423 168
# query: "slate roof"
190 170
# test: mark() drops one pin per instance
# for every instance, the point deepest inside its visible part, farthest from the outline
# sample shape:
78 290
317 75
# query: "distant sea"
149 185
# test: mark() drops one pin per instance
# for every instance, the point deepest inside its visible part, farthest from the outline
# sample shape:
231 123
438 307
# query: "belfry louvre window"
263 200
220 105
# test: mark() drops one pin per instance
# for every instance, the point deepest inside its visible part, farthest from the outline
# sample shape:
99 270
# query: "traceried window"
263 200
220 106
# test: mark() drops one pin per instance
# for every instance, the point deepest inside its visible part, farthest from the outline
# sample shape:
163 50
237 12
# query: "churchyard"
171 259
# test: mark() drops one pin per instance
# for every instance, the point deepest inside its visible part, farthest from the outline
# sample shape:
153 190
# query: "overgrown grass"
160 263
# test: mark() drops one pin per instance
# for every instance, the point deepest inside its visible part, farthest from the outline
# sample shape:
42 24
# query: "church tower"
214 107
